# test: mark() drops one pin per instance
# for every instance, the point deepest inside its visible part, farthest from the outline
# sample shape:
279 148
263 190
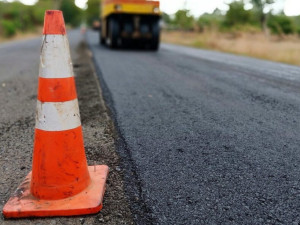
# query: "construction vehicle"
134 22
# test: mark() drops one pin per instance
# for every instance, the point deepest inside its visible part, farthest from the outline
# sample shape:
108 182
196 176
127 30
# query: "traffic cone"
61 183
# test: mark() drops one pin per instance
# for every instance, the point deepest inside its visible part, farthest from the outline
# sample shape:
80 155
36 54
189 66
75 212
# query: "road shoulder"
16 136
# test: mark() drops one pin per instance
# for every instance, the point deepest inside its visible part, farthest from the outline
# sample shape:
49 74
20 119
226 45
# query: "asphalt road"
205 137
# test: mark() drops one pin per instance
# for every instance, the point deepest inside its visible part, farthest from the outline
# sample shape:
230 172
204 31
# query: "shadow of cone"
61 183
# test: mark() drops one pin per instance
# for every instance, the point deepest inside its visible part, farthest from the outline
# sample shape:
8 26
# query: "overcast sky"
198 7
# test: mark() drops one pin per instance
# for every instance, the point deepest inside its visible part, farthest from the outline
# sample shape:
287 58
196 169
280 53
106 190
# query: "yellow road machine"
134 22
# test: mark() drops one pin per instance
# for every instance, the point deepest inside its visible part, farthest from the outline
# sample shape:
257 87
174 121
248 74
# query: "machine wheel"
101 39
113 32
154 44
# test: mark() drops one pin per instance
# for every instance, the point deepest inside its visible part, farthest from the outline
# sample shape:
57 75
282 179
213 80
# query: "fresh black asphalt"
205 137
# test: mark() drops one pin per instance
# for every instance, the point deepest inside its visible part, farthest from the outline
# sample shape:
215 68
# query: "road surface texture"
205 137
19 63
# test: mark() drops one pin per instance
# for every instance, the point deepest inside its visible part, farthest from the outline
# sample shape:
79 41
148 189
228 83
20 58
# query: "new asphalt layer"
204 137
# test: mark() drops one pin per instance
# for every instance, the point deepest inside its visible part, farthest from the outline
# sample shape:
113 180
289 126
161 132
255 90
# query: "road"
205 137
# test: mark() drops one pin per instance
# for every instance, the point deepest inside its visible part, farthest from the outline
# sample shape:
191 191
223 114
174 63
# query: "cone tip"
54 22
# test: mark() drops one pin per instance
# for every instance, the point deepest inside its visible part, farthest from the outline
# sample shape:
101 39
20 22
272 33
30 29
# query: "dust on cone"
61 183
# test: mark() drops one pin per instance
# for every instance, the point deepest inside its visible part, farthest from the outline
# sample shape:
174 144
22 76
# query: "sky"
198 7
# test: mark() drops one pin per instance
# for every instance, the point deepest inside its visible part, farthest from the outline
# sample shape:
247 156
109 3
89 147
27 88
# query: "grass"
274 48
21 36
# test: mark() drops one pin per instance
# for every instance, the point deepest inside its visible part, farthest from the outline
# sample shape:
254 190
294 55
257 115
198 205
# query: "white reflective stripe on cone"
55 57
57 116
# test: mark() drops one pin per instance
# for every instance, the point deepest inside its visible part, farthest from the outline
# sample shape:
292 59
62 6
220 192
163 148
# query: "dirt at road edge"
101 135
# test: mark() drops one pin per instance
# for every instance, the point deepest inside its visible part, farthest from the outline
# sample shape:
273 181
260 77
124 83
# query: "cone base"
89 201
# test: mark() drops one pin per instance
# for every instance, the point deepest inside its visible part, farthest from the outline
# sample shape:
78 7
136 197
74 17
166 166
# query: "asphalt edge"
142 214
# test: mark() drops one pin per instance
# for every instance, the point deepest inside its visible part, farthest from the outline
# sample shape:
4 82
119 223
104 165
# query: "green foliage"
281 24
17 17
166 18
208 21
8 28
237 15
72 14
93 11
296 20
261 4
14 16
38 10
259 7
183 19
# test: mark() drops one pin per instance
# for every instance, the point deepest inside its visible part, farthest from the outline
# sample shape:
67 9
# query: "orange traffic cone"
61 183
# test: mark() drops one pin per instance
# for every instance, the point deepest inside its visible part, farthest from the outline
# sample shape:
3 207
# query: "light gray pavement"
19 64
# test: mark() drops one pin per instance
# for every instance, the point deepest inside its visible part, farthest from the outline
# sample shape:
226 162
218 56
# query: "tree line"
17 17
237 18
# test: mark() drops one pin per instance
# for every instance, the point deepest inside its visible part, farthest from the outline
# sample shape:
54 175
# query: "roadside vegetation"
19 20
240 30
248 27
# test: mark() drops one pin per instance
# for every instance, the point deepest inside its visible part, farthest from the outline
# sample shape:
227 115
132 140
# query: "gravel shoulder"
18 99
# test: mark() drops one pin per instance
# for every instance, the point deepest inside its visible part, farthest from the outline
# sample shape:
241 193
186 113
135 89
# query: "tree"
282 24
51 4
166 18
237 14
72 14
260 6
93 10
297 23
183 19
39 9
15 17
208 21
